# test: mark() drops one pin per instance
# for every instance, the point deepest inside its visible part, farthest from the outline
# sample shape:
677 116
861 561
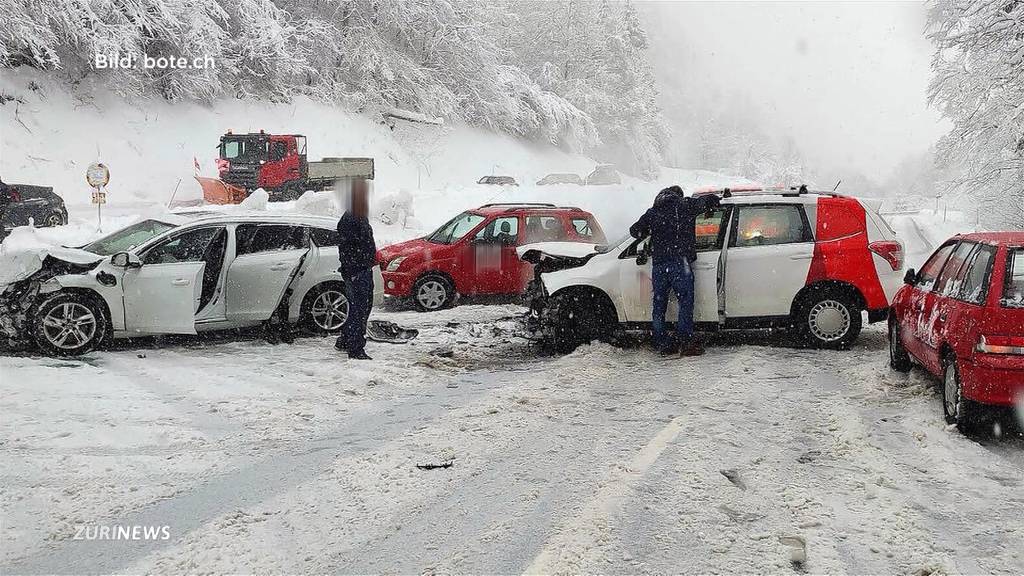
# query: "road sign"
99 197
97 175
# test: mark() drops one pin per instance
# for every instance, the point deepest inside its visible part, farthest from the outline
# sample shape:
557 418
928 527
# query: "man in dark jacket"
670 223
357 253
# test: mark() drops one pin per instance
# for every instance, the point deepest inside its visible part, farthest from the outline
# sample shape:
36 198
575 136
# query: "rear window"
252 238
1013 288
545 229
770 225
323 237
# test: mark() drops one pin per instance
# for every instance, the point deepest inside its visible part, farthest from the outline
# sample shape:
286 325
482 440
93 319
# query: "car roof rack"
753 190
519 204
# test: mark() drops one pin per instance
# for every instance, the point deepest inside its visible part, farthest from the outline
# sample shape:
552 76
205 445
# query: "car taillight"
1001 345
14 194
891 250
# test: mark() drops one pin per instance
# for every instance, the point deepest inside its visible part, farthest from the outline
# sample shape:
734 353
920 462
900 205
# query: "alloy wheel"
69 325
330 310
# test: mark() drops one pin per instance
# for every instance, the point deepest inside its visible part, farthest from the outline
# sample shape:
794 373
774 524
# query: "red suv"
475 252
962 318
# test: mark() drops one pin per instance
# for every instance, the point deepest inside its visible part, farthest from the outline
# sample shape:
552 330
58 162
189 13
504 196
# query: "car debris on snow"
447 464
797 549
734 477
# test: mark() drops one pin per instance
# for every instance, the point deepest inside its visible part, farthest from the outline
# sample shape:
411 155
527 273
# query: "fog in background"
845 81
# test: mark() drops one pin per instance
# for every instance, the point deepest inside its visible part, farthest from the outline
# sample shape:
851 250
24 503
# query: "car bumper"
398 284
996 379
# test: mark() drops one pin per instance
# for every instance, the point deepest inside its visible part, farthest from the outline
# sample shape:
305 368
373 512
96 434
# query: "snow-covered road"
292 459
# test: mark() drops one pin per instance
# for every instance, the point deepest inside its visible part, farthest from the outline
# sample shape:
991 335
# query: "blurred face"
360 198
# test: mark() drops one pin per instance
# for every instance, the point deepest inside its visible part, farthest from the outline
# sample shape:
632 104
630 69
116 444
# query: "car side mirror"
910 277
125 260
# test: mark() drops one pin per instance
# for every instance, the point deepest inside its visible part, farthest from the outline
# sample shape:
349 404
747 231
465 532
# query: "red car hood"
415 246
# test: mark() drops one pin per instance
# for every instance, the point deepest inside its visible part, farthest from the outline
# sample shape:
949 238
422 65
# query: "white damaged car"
176 275
814 262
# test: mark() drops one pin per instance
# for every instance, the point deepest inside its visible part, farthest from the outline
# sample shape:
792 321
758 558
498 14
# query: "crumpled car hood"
22 254
569 249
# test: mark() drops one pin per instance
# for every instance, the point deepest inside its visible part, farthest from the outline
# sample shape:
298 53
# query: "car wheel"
54 219
899 359
957 409
433 292
574 322
325 308
69 324
829 320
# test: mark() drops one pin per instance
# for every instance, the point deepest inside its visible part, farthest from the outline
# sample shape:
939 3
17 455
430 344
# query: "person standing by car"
670 224
357 254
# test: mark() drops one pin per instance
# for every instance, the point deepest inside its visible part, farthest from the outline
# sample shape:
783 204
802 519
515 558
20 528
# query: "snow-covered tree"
978 84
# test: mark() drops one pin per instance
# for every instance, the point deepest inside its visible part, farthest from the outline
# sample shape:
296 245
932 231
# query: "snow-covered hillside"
51 136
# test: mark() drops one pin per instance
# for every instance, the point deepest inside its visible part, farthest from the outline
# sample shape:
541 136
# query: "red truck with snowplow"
276 163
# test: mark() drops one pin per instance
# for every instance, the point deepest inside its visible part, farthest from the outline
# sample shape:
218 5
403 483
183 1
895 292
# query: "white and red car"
765 258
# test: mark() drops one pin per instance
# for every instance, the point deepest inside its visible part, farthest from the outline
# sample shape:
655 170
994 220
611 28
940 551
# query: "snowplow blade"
217 192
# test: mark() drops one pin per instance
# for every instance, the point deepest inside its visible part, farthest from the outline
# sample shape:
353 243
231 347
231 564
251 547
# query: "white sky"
847 80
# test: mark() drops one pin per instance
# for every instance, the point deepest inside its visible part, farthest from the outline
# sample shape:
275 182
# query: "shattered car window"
128 238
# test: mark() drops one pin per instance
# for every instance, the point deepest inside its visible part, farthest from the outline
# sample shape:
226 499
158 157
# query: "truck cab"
275 162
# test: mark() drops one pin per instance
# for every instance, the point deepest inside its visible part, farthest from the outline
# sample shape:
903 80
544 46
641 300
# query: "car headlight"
394 264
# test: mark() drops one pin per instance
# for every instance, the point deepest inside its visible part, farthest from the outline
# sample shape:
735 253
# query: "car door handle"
279 266
704 266
181 282
801 256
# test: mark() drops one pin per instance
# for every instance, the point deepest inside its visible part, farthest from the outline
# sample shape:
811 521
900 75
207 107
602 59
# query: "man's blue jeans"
672 275
359 291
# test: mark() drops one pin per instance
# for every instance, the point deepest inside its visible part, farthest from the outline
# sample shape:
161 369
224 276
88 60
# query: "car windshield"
128 238
605 248
455 228
240 149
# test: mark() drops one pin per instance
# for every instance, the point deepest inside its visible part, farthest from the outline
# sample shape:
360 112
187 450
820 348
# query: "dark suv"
23 204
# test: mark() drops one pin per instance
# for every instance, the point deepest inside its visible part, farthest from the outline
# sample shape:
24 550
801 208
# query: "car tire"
899 358
829 319
54 218
325 308
69 324
573 323
956 409
433 292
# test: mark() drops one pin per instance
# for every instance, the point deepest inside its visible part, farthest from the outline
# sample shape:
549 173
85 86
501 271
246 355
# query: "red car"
962 318
475 252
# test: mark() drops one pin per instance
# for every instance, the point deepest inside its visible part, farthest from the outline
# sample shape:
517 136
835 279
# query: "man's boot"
693 347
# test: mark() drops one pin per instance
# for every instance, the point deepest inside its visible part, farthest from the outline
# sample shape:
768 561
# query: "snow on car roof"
995 237
265 217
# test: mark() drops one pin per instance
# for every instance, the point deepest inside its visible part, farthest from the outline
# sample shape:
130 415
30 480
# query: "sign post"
97 175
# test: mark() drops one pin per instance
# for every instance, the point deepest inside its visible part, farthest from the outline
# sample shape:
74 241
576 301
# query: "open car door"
163 295
162 298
